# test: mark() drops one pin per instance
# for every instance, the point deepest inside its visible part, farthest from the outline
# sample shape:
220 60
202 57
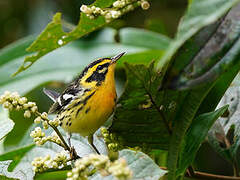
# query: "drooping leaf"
195 136
54 37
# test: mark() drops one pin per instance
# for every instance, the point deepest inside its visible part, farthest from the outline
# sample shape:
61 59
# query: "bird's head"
99 71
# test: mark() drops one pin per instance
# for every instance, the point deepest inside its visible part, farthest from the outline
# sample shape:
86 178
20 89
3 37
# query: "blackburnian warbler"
89 100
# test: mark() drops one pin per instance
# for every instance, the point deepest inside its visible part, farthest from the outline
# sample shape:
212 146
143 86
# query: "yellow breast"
89 117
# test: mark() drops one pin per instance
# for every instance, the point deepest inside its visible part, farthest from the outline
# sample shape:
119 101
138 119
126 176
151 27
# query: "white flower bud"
31 104
6 104
117 4
44 115
45 125
84 8
34 109
97 10
145 5
37 120
7 93
115 14
27 114
22 100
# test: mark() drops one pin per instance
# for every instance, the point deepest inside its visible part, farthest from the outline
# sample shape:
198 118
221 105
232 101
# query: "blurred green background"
23 17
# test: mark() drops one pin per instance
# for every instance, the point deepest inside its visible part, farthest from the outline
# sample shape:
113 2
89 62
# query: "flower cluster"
119 8
102 163
41 164
14 101
39 137
109 140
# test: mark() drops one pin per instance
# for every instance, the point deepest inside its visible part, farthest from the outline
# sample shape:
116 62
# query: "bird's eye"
100 67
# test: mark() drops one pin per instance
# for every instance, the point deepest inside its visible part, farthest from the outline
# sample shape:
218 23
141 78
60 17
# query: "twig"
203 175
65 145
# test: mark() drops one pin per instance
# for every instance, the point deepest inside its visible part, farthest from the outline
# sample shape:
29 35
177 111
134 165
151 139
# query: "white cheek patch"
67 96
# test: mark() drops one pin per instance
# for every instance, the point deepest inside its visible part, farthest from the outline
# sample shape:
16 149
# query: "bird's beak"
117 57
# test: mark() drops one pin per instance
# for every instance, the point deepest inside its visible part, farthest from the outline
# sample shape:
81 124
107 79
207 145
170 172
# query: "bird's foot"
73 153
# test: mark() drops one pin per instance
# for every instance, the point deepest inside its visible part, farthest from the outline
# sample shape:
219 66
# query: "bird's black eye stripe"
100 67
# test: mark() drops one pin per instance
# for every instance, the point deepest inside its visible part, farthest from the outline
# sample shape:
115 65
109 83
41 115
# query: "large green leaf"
6 124
195 136
189 101
138 120
143 38
200 13
54 37
57 66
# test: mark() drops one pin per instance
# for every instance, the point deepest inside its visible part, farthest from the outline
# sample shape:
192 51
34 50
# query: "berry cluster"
102 163
110 140
39 137
41 164
14 101
118 8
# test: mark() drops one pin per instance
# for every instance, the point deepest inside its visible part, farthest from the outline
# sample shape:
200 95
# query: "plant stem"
191 171
65 145
204 176
235 169
160 112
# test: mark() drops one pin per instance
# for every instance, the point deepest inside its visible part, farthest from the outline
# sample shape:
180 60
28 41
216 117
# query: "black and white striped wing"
64 99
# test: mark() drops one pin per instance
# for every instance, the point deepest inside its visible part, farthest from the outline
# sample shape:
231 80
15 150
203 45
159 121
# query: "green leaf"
11 175
15 49
224 137
6 124
200 13
189 101
54 37
58 174
142 166
143 38
137 120
15 155
195 136
57 66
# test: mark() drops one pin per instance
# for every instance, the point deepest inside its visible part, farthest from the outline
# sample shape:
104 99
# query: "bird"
88 101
